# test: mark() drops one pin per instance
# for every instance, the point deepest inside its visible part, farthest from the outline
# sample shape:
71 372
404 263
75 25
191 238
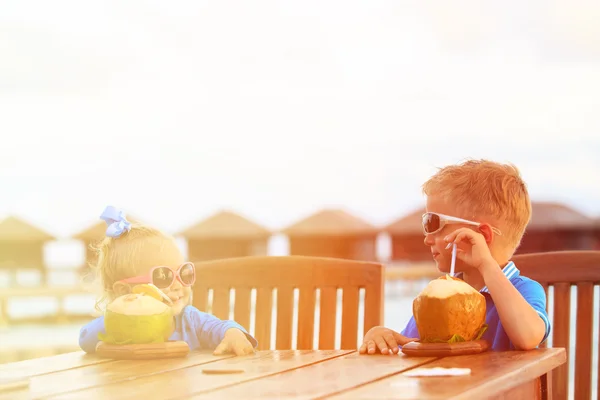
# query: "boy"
483 207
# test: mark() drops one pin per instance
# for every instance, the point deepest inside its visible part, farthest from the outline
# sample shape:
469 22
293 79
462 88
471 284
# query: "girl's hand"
471 247
236 342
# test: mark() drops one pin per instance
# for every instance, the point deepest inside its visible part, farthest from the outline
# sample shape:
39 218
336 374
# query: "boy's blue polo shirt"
531 291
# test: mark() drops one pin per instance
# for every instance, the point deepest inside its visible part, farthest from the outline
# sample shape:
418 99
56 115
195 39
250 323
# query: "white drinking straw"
453 259
166 298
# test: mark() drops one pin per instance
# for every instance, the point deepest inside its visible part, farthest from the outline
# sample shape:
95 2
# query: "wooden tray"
170 349
418 349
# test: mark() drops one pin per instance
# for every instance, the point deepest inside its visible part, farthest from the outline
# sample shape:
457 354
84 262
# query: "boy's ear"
486 231
120 288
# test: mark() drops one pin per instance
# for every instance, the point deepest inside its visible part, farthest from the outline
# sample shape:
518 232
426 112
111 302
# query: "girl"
134 253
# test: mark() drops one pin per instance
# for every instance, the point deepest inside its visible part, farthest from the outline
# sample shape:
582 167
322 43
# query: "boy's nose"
428 240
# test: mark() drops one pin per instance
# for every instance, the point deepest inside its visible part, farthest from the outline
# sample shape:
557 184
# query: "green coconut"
137 318
449 310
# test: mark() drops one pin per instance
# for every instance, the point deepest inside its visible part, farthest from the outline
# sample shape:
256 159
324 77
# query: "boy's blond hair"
486 189
118 257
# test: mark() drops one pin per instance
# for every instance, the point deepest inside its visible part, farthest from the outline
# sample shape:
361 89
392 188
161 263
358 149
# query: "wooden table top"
284 374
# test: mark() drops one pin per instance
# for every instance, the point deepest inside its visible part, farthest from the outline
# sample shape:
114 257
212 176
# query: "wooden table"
336 374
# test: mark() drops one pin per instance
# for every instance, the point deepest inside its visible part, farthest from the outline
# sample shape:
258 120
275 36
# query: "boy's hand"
471 247
236 342
384 339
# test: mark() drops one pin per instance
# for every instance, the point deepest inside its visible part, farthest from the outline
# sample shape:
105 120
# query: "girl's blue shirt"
199 330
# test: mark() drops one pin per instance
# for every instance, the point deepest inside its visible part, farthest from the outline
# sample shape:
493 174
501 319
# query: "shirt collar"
510 271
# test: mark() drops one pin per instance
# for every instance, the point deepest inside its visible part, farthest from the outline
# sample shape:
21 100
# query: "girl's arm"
88 335
211 330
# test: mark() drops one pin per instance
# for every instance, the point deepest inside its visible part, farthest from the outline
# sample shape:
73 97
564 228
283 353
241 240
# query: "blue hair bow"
116 221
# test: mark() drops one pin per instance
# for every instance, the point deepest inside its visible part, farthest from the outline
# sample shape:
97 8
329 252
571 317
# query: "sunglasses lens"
162 277
187 274
431 222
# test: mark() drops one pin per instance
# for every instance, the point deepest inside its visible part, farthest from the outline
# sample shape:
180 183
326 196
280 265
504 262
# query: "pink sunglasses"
163 277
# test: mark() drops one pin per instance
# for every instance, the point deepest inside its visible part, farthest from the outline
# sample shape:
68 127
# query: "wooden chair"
564 270
285 274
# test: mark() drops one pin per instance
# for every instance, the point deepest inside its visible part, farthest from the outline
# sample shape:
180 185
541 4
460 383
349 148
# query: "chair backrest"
233 281
564 270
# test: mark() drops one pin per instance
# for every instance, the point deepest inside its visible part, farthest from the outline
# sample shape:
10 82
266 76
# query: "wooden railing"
57 292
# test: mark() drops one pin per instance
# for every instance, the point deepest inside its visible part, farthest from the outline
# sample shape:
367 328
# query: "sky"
275 109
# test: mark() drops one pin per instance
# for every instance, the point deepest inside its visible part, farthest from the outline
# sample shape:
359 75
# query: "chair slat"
327 318
584 341
200 295
560 338
264 308
306 318
285 315
545 286
241 308
220 308
373 305
349 318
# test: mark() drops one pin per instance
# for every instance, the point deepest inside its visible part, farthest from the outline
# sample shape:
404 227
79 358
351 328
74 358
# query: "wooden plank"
306 318
492 374
349 318
186 382
584 340
46 365
241 309
327 317
322 379
285 316
220 306
264 308
561 336
15 394
73 380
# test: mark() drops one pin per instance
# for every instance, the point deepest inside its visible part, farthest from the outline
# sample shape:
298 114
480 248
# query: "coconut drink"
138 318
449 310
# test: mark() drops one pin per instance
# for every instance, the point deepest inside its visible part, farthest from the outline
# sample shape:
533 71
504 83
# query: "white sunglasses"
434 222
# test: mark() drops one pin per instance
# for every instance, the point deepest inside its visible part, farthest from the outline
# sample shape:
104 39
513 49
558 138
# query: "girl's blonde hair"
119 257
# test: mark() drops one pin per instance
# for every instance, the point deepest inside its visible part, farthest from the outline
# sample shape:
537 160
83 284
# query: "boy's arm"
88 335
525 326
211 330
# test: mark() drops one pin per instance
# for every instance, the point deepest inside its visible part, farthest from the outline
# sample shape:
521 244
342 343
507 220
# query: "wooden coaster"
170 349
418 349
